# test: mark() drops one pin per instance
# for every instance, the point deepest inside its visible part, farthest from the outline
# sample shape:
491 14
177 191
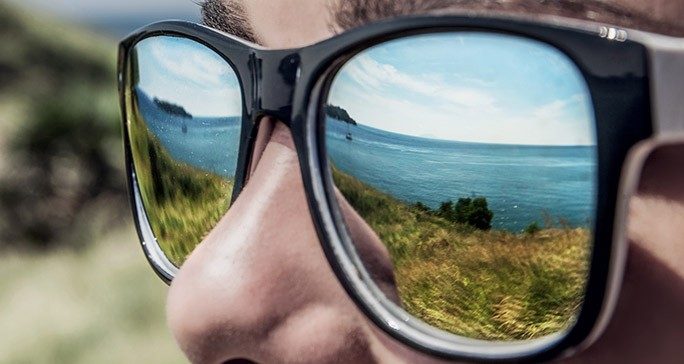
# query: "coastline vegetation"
471 280
339 113
183 203
172 108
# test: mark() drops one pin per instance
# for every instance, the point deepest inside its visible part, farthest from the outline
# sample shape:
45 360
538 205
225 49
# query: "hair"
228 16
352 13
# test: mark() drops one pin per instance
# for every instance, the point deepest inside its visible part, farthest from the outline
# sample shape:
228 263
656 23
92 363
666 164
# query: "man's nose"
259 287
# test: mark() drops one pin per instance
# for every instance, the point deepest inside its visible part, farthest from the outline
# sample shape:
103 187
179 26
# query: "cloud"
366 71
382 96
558 109
190 62
190 75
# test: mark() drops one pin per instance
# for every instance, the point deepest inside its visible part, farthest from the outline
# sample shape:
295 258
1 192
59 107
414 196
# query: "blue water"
209 143
521 183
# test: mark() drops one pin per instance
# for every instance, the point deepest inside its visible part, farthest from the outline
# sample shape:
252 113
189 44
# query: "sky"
470 87
188 74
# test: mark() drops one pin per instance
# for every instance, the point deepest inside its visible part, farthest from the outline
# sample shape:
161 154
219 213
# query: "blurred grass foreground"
98 305
74 286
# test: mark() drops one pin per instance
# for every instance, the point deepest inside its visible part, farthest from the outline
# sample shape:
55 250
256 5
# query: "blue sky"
188 74
473 87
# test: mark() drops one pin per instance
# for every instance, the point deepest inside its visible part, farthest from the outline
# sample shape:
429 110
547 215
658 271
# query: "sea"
208 143
522 184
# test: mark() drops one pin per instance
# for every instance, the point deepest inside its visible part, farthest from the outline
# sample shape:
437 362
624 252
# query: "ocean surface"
522 184
208 143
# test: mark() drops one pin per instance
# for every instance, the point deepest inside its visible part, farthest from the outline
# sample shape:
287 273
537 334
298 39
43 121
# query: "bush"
65 168
474 212
421 207
532 228
446 211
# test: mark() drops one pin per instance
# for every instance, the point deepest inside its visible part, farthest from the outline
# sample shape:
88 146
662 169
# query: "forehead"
293 23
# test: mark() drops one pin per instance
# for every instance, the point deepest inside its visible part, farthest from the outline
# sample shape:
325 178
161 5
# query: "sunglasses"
491 158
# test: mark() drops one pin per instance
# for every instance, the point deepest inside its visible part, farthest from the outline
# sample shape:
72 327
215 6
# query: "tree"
339 113
469 211
532 228
446 210
480 215
421 206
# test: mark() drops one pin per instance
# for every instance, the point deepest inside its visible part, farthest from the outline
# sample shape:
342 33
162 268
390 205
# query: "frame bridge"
275 74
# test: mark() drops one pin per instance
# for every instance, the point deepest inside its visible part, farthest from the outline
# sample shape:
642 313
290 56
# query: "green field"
492 285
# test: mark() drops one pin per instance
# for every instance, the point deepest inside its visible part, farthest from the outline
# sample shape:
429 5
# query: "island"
172 108
339 113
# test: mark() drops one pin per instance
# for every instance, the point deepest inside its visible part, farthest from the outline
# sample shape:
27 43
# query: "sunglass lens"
184 112
472 157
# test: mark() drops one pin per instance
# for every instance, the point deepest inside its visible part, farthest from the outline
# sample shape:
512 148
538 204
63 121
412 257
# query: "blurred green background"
74 284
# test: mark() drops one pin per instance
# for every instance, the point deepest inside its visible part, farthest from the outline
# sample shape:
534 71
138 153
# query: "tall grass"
492 285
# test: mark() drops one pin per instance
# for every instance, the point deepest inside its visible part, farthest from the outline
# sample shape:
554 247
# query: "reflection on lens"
184 112
473 158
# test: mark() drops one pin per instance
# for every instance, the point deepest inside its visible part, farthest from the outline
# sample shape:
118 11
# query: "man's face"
259 286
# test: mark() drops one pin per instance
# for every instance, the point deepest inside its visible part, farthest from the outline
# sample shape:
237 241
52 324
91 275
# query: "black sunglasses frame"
291 85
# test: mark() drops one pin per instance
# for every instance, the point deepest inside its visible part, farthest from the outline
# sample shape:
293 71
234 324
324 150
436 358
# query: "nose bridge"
275 74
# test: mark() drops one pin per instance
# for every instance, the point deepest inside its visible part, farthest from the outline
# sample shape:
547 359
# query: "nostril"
239 361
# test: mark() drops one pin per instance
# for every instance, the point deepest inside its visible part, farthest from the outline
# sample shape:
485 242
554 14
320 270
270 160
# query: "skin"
259 287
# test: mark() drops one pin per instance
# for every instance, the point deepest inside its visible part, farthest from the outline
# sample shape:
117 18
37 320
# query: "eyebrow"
230 16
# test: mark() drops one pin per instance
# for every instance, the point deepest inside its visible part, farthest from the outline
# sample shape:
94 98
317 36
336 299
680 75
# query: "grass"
183 203
492 285
99 305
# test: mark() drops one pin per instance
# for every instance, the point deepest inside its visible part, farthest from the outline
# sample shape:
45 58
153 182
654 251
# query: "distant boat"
184 128
349 136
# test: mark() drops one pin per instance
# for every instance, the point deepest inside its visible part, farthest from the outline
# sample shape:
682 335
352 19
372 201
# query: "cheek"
656 221
657 225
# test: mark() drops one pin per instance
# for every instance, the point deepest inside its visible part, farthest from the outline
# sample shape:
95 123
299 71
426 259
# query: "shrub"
446 210
532 228
474 212
421 207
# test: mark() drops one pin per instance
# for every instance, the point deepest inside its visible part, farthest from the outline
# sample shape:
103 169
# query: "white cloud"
366 71
198 65
462 114
191 76
551 110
